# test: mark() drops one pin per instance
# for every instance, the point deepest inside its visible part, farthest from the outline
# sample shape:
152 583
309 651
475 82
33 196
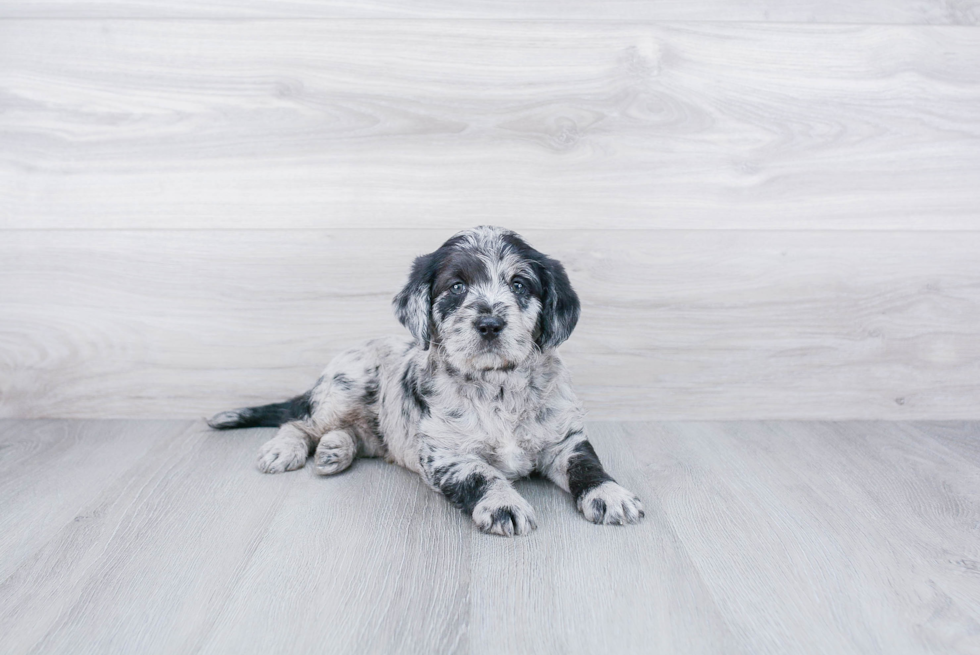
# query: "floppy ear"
559 305
413 304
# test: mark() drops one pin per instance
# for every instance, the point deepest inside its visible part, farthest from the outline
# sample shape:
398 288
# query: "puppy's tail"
265 416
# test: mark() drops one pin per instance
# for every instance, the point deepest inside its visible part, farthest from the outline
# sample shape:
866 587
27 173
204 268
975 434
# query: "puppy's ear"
559 305
413 304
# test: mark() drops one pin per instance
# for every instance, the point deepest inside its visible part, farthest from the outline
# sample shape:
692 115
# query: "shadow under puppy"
477 398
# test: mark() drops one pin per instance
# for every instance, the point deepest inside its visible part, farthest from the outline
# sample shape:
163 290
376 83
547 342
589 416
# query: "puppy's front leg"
482 492
573 465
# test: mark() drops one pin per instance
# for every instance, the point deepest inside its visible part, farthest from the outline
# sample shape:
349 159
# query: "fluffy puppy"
476 398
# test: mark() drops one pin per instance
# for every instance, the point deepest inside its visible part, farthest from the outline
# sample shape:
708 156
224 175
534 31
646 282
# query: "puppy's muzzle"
489 327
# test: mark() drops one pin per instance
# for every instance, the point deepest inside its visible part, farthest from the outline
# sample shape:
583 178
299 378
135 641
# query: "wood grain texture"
871 526
782 538
367 577
375 123
190 537
961 438
51 470
675 324
638 592
957 12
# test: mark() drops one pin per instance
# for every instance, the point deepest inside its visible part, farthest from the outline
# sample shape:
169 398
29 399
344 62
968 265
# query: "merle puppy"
477 398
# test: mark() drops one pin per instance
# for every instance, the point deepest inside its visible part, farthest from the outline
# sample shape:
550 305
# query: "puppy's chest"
508 436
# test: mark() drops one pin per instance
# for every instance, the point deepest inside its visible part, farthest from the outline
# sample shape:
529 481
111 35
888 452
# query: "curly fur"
476 398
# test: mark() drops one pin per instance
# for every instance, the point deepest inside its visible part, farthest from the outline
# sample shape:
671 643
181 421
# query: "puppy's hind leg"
288 450
345 411
336 452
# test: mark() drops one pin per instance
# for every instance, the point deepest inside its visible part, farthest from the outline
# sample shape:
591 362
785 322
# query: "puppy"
476 398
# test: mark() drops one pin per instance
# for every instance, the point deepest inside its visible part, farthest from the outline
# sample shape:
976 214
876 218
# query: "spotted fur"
475 398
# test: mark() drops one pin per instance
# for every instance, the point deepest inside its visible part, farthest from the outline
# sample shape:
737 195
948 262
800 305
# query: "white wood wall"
770 209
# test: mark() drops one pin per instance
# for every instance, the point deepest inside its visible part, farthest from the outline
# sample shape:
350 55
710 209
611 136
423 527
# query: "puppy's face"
488 300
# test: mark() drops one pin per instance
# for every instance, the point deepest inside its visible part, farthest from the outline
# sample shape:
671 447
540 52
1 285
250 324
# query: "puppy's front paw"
278 455
610 503
504 513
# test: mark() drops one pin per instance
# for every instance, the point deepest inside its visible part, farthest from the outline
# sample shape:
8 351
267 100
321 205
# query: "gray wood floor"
760 537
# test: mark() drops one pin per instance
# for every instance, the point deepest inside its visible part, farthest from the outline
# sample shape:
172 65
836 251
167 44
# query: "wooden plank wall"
770 210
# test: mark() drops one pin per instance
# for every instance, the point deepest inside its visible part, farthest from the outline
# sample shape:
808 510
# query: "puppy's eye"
458 288
519 287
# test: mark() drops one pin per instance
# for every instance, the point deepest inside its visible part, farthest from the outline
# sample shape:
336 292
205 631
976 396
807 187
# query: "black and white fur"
477 398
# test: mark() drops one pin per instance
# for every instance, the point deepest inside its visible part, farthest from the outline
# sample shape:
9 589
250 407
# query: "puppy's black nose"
489 327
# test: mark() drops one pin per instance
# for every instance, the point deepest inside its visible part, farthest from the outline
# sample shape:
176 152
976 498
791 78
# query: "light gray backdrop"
769 214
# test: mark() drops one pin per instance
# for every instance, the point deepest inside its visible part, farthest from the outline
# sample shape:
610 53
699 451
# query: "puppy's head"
488 299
